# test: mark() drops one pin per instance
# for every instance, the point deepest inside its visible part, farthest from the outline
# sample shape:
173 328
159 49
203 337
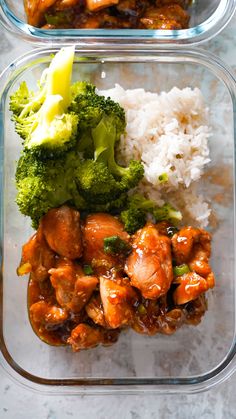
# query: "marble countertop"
20 403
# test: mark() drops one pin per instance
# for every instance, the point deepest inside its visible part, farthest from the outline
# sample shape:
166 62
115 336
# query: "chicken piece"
37 257
36 9
84 336
96 228
118 298
150 264
50 323
170 17
191 285
73 288
45 314
94 5
94 310
61 228
175 13
193 247
190 244
65 4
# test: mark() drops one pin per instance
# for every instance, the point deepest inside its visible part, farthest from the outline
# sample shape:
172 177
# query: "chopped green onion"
141 309
88 270
181 270
163 178
59 19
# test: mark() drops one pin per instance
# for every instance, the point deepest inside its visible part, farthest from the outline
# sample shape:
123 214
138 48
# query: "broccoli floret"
70 134
96 183
133 219
167 212
92 107
100 179
114 245
42 118
138 207
81 88
104 139
44 185
21 98
113 206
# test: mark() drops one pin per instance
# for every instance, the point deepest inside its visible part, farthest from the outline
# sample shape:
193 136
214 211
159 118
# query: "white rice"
169 133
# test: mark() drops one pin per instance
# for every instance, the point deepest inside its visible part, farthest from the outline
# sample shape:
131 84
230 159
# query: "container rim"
192 384
115 37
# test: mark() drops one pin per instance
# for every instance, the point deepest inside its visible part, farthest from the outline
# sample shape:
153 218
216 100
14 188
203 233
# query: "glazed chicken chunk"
35 10
84 336
170 17
73 288
89 278
150 264
95 311
61 228
37 257
44 313
192 246
117 298
94 5
96 228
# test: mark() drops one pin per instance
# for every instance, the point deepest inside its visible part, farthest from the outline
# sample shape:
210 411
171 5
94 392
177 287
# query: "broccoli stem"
50 109
104 138
59 75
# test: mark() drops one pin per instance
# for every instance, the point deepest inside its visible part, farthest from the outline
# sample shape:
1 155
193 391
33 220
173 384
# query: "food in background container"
110 14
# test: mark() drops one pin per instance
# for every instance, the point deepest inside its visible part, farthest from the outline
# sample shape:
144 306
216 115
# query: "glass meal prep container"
207 19
194 358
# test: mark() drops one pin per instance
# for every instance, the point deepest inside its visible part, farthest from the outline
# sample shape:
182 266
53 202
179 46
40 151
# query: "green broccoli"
96 183
133 219
100 179
45 184
70 135
92 107
167 212
42 185
104 139
114 245
138 208
42 118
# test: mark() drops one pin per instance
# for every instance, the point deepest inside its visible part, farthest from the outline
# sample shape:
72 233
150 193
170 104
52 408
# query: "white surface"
18 402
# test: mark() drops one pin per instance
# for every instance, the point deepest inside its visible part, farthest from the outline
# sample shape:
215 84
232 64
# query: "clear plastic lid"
207 20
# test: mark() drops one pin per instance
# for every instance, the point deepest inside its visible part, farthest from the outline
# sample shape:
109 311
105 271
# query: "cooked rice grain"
169 132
